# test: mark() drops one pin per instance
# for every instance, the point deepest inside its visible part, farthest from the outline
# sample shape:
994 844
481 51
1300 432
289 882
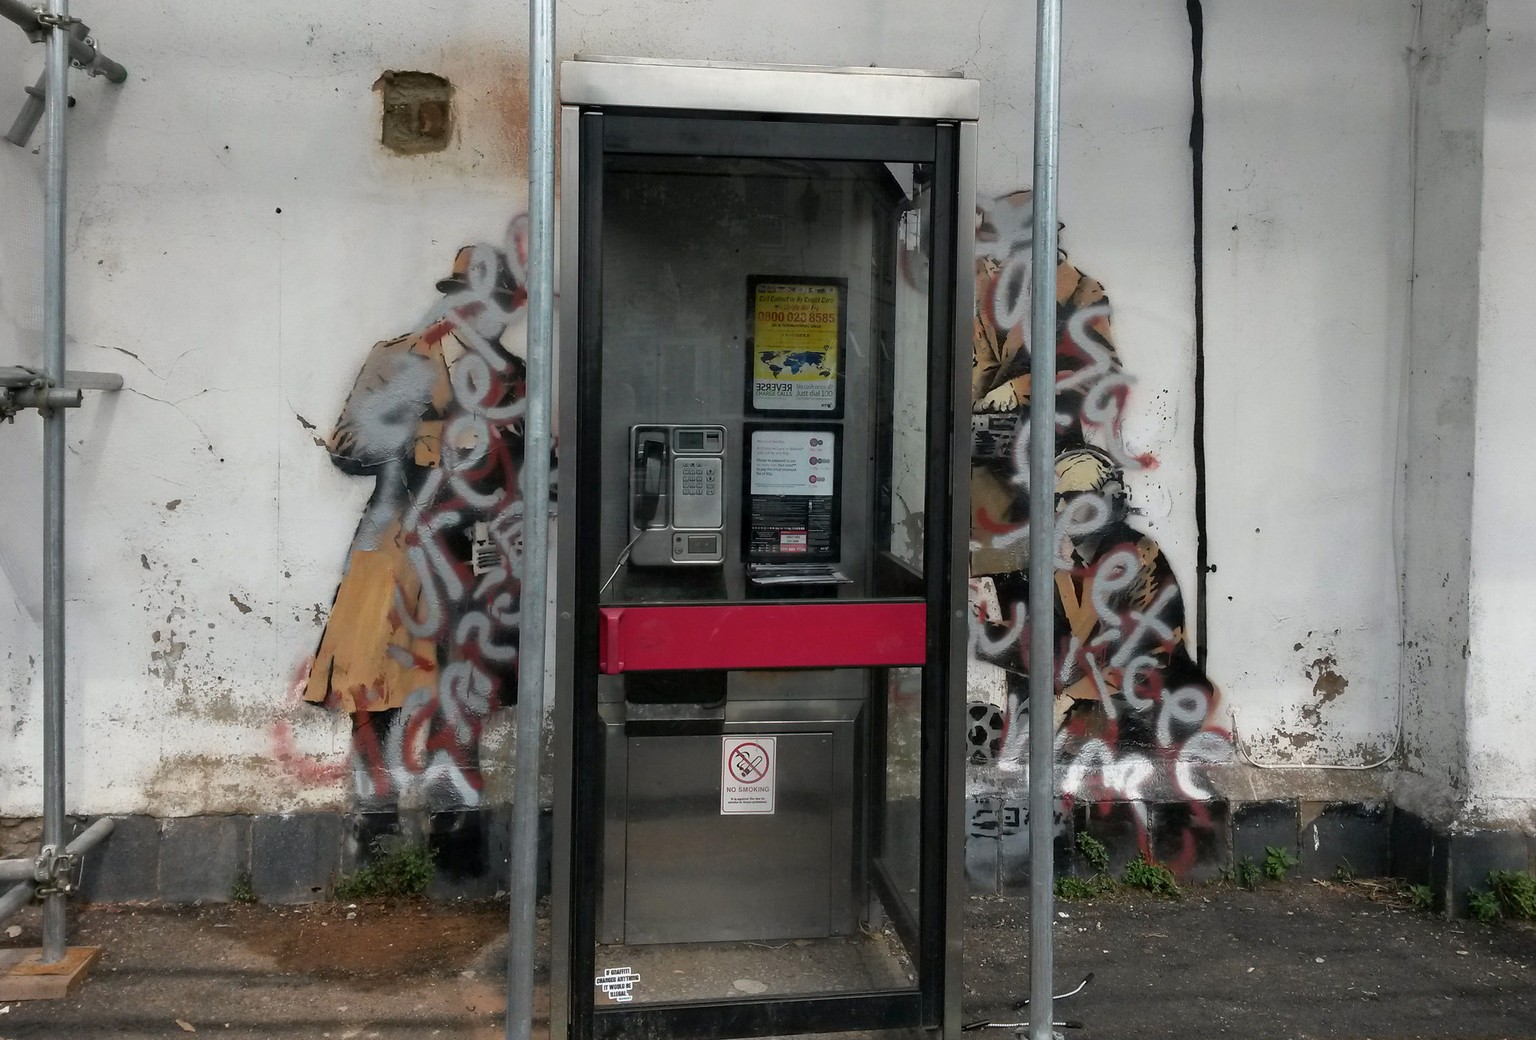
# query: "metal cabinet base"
678 869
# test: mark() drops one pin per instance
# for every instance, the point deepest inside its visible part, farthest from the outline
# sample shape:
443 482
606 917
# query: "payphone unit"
766 314
677 490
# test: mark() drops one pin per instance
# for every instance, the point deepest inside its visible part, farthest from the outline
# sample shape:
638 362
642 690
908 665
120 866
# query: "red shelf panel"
763 635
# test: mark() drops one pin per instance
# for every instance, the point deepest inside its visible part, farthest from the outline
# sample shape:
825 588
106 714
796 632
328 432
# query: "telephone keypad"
694 478
696 499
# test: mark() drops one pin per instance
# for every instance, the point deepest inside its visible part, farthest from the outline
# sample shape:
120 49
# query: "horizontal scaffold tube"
90 59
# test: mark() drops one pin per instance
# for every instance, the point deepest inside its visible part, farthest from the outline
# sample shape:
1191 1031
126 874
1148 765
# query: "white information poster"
792 462
748 771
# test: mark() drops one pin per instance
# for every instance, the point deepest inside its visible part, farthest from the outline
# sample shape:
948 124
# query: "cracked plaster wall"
1501 679
1308 228
20 445
238 238
1443 354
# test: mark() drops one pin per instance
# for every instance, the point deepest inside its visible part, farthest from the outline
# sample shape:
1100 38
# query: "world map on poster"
798 362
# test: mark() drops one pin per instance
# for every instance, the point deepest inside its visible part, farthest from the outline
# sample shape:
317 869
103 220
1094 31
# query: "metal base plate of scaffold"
24 976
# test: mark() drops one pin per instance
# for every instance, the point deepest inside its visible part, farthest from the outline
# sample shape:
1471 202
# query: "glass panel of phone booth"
699 255
764 329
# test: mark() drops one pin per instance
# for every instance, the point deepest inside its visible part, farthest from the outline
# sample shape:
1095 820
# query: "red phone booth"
765 363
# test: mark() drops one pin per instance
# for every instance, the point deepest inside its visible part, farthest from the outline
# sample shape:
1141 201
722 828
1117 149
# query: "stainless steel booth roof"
810 90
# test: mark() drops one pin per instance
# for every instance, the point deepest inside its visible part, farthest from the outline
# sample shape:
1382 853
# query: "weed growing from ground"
1510 893
1248 873
1516 892
404 870
1073 888
242 891
1153 877
1085 888
1099 884
1484 905
1420 897
1277 862
1243 874
1345 871
1094 852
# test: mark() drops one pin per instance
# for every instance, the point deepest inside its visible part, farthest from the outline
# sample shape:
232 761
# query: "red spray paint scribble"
285 751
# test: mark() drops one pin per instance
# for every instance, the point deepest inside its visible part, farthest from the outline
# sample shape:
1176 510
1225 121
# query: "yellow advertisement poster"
797 345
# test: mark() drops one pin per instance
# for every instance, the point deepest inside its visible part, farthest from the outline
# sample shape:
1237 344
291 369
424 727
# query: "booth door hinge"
912 230
57 871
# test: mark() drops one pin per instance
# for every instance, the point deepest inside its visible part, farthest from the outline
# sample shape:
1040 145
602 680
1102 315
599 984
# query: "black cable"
1197 189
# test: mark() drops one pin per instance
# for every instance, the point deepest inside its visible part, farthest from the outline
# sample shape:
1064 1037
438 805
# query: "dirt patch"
369 941
397 971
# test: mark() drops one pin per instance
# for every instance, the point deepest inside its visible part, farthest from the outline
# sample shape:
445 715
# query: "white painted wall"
1307 234
230 321
1501 680
21 546
235 325
242 325
1437 468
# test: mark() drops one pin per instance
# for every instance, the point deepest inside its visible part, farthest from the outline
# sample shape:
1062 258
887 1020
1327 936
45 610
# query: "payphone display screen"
793 494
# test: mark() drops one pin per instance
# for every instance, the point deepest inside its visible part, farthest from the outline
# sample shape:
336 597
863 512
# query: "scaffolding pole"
535 487
55 871
1042 518
55 101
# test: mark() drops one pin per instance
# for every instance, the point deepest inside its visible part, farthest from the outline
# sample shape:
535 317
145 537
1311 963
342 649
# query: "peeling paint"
1327 683
165 660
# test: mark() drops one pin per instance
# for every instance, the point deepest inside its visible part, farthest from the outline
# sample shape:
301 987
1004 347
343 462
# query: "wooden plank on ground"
24 976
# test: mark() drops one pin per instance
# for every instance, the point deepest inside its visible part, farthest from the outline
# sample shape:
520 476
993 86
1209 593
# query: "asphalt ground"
1293 960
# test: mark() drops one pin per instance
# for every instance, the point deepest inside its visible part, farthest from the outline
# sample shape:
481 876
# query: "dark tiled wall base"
1199 840
1193 839
1259 826
126 866
1347 840
1452 863
1474 855
296 857
200 857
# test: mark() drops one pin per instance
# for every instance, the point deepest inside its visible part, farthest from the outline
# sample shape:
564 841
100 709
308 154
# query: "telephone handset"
650 460
677 488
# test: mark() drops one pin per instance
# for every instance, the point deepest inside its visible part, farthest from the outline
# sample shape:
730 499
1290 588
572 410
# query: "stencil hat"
1088 469
484 267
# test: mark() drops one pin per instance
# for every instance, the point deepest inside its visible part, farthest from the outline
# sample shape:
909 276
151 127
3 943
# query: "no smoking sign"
748 769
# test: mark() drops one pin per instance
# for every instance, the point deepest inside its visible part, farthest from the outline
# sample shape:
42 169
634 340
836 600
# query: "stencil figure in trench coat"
421 641
1124 678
